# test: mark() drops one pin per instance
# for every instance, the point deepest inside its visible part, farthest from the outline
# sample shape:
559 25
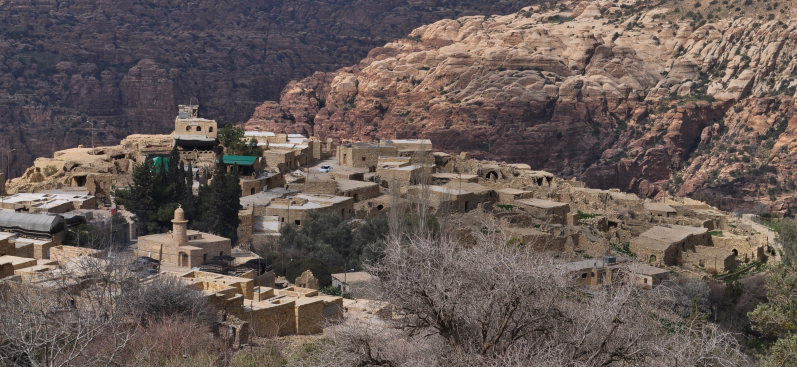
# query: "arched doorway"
652 259
183 260
492 175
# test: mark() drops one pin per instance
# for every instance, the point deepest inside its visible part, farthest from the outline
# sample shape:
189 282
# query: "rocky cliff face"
126 64
696 99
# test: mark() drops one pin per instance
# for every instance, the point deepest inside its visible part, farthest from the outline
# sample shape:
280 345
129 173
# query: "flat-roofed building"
444 178
356 283
713 259
297 209
664 245
357 190
417 145
404 175
182 247
510 195
364 155
554 211
271 312
657 209
192 131
647 276
446 199
33 234
56 201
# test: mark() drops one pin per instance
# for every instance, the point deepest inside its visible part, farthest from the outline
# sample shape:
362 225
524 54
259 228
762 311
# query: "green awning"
240 160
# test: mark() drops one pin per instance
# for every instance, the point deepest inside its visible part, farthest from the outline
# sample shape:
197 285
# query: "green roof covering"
161 163
241 160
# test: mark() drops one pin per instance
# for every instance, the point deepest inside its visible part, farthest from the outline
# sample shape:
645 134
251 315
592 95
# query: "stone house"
659 209
364 155
646 276
270 312
182 247
414 145
592 272
534 239
355 283
33 235
553 211
57 201
191 131
664 245
745 248
252 185
454 197
601 272
715 260
444 178
297 209
404 175
357 190
283 160
510 195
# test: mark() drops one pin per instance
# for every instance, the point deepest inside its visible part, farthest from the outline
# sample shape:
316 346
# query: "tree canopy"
233 140
327 244
159 188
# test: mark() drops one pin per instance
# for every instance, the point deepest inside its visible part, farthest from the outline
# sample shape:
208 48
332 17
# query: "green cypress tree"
187 193
140 197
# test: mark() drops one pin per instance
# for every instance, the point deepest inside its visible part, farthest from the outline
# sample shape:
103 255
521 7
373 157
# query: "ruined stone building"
555 212
662 245
56 201
452 197
267 312
678 245
183 247
605 271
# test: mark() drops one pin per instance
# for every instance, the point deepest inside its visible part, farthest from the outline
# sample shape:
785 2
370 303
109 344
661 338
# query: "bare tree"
74 319
87 313
489 304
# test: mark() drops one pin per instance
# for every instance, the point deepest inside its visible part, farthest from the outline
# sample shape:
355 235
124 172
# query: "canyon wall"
643 97
125 65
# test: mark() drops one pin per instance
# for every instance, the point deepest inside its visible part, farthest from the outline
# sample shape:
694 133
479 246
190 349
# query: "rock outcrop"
633 95
125 65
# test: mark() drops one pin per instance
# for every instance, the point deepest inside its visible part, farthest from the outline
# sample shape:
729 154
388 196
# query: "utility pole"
8 162
91 122
8 174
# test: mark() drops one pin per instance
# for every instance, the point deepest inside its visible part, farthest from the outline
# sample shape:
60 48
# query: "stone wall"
63 254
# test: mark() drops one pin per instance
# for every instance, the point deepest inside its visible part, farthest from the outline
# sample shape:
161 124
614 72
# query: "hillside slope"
696 99
126 64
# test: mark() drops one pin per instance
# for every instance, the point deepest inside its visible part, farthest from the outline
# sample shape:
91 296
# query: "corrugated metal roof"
31 222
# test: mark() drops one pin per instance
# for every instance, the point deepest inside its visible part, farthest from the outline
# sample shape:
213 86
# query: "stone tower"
180 227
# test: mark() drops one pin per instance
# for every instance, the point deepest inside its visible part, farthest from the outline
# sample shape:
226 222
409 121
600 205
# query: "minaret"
180 227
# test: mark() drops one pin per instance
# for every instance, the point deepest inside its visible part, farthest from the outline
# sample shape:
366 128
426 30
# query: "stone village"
593 233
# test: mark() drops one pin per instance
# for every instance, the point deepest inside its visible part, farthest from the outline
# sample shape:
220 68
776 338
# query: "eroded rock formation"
643 97
126 64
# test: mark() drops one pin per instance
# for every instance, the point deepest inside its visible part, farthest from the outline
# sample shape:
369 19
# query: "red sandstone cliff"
127 64
642 97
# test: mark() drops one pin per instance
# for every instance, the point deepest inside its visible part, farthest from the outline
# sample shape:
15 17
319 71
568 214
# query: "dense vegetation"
326 244
776 320
232 138
159 188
